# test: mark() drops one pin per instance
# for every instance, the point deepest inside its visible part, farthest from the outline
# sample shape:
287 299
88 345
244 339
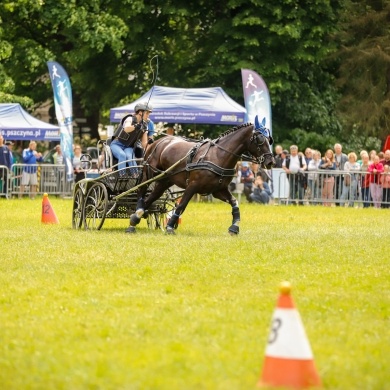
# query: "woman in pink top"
375 169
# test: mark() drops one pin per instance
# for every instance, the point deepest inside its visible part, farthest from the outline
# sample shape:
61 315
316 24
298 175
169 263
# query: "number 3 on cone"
276 324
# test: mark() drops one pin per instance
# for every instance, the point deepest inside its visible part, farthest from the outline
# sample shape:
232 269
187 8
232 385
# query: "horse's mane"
232 130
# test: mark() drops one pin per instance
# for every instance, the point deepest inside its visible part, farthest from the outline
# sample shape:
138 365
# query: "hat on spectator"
285 151
9 143
245 164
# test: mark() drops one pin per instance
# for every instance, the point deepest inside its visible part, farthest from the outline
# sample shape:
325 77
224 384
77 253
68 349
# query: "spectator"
278 156
328 164
313 177
5 160
372 155
308 155
365 179
350 182
340 159
294 166
29 175
385 182
261 191
386 158
375 169
361 154
77 168
246 176
58 157
10 146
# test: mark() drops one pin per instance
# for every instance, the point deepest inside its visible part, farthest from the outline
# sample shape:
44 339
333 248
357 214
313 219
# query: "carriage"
146 190
113 195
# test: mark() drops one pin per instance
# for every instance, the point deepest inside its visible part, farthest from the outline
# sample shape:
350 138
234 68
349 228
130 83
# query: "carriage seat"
109 160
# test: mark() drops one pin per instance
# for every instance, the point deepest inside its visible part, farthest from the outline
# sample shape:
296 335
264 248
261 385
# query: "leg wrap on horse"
172 223
236 214
234 229
134 220
140 204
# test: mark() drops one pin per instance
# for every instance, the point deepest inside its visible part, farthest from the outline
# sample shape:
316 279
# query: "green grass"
105 310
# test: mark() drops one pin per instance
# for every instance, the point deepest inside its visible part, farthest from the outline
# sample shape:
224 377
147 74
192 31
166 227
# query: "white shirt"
295 166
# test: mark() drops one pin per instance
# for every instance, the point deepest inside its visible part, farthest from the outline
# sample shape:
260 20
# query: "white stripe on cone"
287 337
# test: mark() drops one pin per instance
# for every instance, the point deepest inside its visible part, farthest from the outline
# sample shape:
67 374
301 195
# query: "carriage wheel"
156 220
78 205
96 203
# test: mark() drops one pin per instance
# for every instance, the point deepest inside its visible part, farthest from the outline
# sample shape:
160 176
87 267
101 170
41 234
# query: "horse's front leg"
226 196
135 218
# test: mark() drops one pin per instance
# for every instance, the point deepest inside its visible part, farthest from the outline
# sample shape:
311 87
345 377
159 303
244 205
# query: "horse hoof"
234 230
170 230
130 229
134 220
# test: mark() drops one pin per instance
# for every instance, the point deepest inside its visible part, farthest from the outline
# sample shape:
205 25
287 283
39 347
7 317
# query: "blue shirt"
29 158
150 128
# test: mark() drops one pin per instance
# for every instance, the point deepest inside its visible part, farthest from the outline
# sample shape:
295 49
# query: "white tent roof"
187 105
17 124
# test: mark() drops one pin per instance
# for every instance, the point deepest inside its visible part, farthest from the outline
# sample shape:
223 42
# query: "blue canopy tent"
16 124
187 105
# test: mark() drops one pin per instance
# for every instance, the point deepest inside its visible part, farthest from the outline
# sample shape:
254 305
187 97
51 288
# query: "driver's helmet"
143 107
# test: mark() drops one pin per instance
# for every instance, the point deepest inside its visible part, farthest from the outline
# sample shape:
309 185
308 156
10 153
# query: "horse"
204 167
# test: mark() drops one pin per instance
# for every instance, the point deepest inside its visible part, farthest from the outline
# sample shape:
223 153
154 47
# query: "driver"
132 129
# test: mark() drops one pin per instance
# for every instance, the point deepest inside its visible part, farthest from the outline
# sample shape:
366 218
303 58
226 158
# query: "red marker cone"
48 214
288 357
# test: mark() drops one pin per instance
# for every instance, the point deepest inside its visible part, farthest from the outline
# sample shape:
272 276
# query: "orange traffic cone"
288 357
48 214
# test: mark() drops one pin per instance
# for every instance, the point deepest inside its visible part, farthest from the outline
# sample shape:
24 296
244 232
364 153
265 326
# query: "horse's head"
260 145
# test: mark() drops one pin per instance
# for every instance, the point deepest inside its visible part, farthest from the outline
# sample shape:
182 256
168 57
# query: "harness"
259 136
201 164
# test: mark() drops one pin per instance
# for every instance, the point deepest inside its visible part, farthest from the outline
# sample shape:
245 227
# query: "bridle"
259 137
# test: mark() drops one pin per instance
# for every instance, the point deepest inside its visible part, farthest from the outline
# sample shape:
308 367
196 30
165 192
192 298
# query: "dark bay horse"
204 167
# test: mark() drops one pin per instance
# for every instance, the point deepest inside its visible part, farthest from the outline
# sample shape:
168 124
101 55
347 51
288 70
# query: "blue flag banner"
62 91
256 96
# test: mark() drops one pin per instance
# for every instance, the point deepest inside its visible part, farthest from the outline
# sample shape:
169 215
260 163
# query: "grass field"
105 310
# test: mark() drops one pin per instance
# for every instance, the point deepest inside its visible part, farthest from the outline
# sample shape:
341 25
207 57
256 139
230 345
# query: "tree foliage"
364 69
106 47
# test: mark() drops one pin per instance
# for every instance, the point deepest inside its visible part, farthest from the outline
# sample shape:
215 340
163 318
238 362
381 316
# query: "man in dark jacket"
5 161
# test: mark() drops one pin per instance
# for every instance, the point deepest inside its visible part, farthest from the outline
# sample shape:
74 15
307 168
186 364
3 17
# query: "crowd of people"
334 178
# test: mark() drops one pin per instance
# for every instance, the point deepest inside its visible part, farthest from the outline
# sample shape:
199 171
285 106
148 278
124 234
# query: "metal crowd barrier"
339 188
318 188
51 179
5 179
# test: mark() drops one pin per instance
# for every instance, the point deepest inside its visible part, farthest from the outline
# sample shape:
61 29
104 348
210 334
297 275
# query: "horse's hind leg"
227 197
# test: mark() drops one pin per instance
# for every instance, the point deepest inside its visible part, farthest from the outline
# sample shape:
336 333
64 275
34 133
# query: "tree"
364 69
106 48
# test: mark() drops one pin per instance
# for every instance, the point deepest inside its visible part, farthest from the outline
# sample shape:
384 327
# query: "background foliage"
326 63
